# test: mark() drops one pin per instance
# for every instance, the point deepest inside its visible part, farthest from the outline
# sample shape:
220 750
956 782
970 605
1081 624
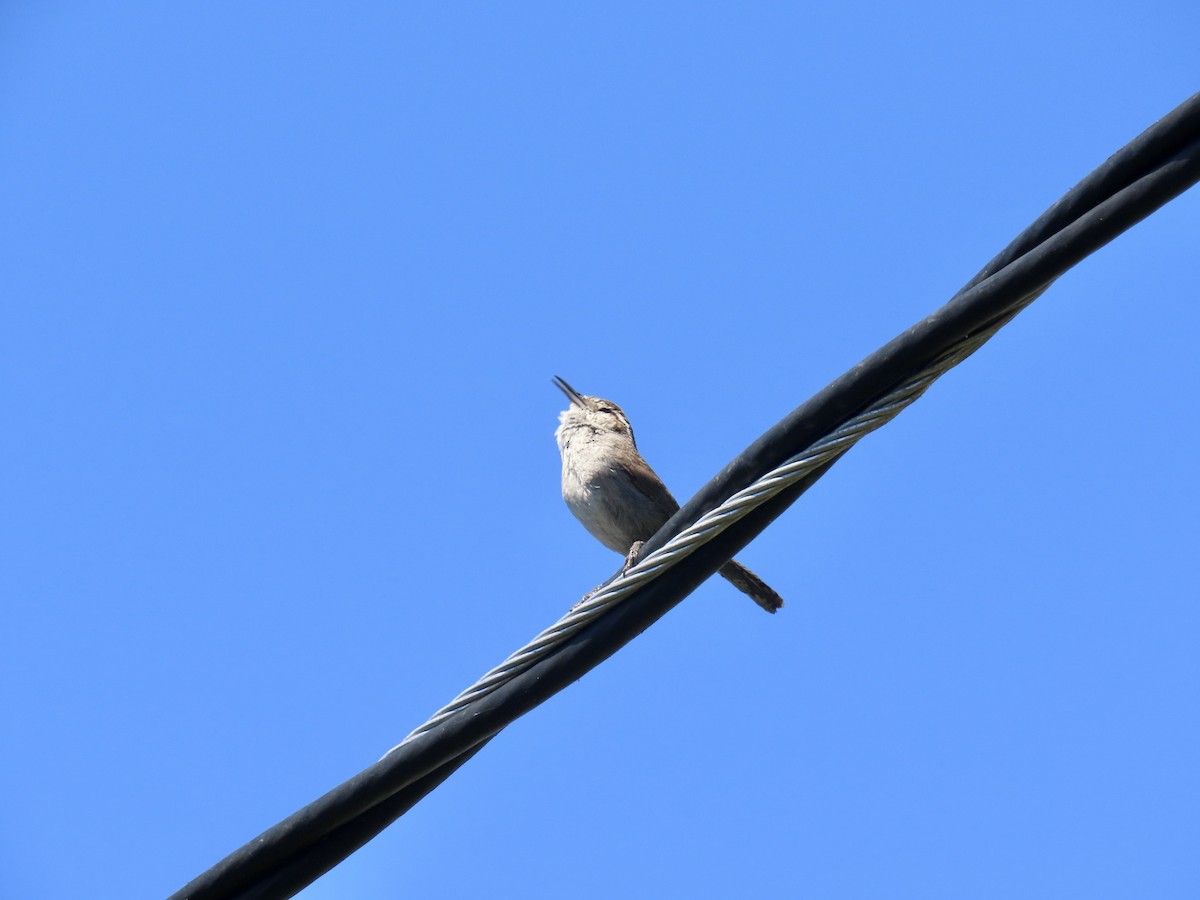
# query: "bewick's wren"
615 493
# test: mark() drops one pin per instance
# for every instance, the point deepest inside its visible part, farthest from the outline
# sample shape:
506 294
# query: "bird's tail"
751 585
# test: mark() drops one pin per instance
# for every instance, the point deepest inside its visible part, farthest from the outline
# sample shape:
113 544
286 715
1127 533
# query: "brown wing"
650 503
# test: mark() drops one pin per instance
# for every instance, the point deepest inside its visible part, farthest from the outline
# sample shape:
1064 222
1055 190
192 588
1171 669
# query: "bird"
613 491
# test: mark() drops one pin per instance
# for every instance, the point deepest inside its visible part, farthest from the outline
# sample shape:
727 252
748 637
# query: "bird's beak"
573 395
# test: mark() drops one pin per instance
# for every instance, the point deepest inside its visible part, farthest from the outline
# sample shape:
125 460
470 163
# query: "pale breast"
605 497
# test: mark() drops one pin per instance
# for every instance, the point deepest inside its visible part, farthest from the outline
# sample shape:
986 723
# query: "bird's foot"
584 599
631 557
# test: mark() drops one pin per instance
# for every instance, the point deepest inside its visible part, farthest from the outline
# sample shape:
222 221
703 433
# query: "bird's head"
589 417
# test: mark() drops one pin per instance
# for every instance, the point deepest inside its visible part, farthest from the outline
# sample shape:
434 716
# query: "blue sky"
285 288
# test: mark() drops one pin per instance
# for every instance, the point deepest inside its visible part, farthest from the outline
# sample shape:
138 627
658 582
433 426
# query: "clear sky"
285 286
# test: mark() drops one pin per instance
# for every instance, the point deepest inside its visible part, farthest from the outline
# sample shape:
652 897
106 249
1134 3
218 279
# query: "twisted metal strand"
717 520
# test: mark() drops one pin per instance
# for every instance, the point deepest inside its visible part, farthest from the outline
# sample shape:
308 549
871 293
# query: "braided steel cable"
716 521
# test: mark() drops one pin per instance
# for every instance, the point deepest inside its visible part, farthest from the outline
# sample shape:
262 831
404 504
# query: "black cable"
1117 196
306 867
1151 170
